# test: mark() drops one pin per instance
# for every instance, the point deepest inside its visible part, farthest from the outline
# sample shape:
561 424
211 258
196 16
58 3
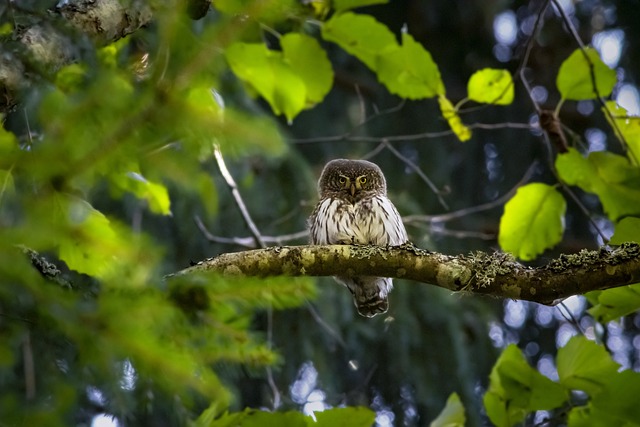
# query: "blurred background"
405 364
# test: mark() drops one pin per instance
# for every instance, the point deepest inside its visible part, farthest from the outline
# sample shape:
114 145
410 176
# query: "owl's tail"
370 294
371 306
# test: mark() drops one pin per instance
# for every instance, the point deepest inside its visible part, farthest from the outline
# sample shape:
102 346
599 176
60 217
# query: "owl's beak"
353 189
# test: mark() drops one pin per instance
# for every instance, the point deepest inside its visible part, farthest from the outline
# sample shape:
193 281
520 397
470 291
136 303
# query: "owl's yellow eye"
362 180
342 180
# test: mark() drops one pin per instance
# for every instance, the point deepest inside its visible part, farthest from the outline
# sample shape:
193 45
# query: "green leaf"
7 186
156 195
299 76
360 35
309 61
620 397
612 304
70 77
455 122
6 29
343 417
533 221
491 86
8 145
627 230
626 127
608 175
269 75
452 415
516 389
588 416
336 417
575 79
409 71
342 5
94 243
585 365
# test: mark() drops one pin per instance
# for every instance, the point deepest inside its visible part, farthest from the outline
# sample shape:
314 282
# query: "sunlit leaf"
270 76
156 195
356 416
6 29
585 365
309 61
7 186
342 5
610 176
627 127
90 252
491 86
70 77
516 389
615 398
360 35
611 304
533 221
589 416
455 122
8 144
627 230
409 70
255 418
575 79
452 414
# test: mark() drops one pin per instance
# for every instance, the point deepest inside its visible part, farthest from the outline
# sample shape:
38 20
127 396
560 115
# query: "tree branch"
496 274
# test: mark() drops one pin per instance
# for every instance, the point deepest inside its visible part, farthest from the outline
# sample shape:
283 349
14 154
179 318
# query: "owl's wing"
387 215
319 223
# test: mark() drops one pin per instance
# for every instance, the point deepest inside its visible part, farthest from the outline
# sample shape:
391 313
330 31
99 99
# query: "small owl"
354 209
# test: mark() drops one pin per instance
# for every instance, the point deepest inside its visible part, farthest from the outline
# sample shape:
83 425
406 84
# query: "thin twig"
29 367
410 137
320 321
474 209
231 183
419 171
259 241
248 242
603 105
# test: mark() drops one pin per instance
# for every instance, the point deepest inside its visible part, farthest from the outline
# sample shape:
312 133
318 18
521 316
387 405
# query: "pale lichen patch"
232 270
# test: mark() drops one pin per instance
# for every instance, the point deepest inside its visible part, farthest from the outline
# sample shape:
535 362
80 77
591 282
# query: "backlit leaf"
309 61
516 389
409 71
7 186
533 221
627 230
585 365
342 5
615 398
360 35
452 415
156 195
355 416
267 73
575 79
93 248
608 175
627 127
611 304
455 122
491 86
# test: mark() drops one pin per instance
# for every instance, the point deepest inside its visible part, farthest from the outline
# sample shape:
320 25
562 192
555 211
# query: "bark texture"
44 47
496 274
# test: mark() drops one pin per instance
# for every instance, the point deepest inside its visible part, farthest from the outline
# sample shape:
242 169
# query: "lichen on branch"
497 274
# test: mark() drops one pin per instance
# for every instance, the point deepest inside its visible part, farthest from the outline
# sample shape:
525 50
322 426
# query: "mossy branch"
496 274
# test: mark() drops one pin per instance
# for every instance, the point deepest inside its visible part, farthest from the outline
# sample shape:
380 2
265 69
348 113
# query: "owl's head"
351 179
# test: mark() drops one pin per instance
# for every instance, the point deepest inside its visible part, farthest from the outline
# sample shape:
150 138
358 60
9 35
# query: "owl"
354 209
